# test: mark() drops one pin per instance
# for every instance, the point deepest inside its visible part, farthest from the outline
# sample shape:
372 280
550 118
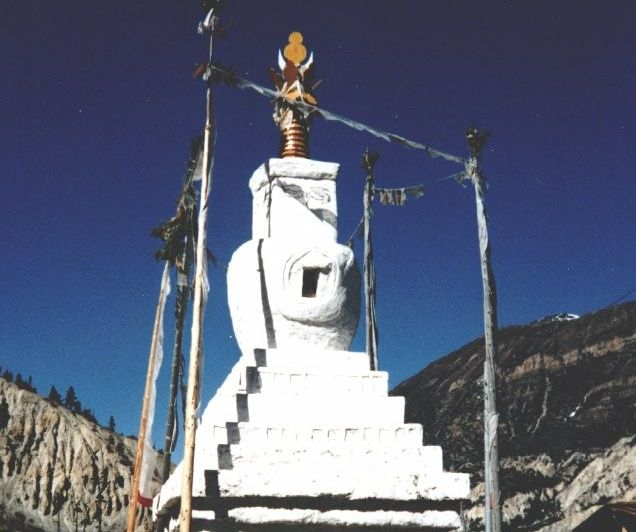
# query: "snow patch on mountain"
563 316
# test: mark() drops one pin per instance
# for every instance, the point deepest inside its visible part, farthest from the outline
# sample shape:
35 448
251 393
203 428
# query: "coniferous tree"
54 396
31 388
87 413
111 424
71 402
19 381
7 376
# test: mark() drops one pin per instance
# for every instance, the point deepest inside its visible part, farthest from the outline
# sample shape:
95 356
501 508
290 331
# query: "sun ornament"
295 51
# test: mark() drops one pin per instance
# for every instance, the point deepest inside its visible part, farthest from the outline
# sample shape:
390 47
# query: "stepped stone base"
312 438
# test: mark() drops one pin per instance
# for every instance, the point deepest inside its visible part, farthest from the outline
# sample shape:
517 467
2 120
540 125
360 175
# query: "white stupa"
301 433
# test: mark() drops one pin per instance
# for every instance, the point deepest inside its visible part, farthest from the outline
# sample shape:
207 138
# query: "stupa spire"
293 84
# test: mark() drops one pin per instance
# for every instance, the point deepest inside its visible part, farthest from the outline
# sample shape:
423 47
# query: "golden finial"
293 84
295 51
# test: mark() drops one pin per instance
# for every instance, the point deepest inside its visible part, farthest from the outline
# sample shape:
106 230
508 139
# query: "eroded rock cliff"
59 471
566 398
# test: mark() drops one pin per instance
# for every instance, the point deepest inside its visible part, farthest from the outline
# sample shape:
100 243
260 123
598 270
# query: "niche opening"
310 281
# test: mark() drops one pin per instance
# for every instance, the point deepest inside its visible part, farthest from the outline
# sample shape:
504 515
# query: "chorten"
302 433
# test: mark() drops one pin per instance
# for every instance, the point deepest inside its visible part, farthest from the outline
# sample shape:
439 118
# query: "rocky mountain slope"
59 471
567 399
567 403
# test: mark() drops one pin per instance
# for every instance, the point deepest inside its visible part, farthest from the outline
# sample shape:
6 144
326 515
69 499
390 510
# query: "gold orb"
295 51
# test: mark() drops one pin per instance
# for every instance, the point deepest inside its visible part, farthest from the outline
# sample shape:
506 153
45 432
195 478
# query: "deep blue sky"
98 107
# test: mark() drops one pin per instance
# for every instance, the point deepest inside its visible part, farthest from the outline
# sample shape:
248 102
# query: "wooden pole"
180 311
132 509
368 162
492 508
185 231
200 286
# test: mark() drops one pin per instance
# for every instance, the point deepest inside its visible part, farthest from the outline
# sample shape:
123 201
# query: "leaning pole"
177 357
368 162
200 294
148 392
179 235
492 508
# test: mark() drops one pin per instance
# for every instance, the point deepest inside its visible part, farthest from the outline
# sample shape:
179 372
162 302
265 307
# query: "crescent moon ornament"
308 64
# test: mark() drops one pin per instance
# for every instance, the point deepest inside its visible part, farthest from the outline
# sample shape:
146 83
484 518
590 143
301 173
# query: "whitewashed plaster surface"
295 218
265 281
432 519
299 415
295 198
316 423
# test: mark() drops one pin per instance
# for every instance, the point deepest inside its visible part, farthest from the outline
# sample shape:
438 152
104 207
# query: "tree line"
70 400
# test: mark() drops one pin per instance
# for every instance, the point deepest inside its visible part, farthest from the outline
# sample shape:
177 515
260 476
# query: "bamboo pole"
368 162
492 508
200 285
132 509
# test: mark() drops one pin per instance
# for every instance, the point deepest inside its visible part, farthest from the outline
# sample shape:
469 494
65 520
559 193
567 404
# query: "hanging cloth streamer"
398 196
148 461
202 254
195 165
226 76
202 273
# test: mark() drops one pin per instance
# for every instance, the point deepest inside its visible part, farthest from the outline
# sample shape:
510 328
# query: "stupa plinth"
301 432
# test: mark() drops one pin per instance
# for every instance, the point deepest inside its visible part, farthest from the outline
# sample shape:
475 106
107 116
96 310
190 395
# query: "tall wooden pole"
179 232
180 311
368 162
132 509
492 508
200 296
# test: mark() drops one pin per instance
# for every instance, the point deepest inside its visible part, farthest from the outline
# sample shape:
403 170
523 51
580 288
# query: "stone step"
307 358
353 520
318 411
227 408
386 459
316 381
309 480
225 434
268 435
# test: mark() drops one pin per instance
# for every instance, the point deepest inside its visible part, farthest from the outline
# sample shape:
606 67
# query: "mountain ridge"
567 393
566 396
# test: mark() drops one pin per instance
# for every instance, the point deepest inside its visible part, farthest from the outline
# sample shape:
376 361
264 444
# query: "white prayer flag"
144 496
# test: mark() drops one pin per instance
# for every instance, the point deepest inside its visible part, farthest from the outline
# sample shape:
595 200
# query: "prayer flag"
398 196
144 495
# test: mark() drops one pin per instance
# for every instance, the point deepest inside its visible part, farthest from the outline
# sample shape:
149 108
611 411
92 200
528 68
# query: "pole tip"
476 140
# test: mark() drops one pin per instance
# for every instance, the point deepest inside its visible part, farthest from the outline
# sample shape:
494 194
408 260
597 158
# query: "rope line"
230 78
357 233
